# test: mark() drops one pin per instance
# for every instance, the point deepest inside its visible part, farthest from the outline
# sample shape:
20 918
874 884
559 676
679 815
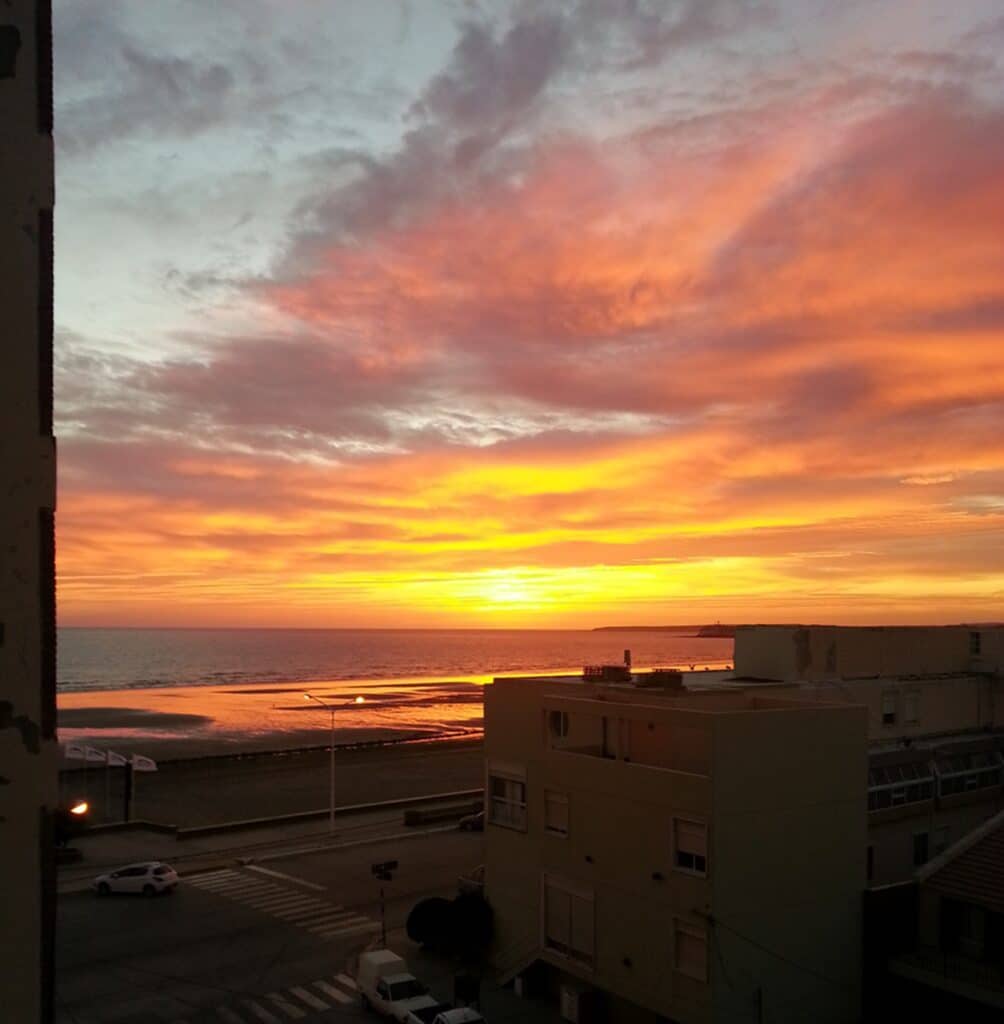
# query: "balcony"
979 980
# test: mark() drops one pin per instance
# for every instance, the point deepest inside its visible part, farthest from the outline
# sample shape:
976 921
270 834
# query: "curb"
224 858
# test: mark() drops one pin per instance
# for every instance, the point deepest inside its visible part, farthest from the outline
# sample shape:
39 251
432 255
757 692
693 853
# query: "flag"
92 754
116 760
143 764
74 751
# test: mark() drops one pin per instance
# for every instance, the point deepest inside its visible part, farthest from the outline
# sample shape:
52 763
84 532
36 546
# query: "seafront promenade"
244 785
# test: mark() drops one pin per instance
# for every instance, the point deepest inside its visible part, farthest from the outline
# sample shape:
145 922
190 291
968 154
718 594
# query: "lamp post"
332 708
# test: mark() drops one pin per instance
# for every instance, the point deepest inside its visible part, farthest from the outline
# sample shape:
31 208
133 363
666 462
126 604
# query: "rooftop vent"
607 673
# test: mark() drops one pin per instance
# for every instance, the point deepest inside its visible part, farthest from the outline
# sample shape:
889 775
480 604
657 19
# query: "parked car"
149 878
460 1015
473 822
428 1014
386 985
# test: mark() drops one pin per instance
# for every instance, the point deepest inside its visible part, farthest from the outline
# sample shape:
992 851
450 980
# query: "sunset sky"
529 314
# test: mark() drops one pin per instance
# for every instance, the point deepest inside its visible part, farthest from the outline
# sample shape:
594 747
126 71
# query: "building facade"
672 856
935 702
28 754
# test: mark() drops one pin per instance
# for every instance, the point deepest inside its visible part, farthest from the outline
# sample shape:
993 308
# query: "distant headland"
717 630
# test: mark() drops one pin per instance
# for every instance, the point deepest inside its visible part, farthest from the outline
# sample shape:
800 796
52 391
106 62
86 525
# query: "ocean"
122 659
188 692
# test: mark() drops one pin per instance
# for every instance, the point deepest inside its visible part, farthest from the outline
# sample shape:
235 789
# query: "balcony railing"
957 967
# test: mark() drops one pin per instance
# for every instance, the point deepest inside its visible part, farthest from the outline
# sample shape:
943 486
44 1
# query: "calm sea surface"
180 692
103 659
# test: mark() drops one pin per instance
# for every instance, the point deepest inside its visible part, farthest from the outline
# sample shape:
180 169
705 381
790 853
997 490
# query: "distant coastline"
717 631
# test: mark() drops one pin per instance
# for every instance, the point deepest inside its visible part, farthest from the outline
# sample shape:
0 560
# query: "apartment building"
665 855
27 475
935 723
935 944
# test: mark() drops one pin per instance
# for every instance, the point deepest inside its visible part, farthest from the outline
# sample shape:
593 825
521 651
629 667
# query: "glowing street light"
332 708
80 808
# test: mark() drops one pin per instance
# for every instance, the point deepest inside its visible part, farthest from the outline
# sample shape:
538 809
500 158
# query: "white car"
149 878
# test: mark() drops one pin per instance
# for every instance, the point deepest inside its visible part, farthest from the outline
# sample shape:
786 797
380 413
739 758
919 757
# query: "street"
246 944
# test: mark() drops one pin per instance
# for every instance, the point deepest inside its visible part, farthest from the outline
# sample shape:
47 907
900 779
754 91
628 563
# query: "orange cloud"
663 376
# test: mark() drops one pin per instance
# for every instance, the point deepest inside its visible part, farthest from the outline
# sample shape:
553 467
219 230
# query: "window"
556 813
507 805
961 773
690 951
920 848
568 920
690 846
940 839
889 702
975 644
897 784
911 707
557 723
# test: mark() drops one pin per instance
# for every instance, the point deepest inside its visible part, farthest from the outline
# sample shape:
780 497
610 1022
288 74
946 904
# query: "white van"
386 985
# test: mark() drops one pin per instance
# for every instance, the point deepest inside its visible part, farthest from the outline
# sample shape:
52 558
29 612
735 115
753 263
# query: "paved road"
256 944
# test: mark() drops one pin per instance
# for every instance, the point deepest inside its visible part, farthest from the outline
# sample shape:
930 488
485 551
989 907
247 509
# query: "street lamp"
332 708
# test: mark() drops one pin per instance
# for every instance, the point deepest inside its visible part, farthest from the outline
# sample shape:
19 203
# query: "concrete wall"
27 480
945 705
784 799
789 793
620 835
806 653
892 840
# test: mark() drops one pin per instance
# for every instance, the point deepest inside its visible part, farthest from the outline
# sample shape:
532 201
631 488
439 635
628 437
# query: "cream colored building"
935 700
694 857
27 477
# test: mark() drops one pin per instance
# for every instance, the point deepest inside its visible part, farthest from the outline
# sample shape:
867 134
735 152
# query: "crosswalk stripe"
343 930
288 898
320 915
291 878
228 1015
294 1012
308 997
336 993
266 1016
347 981
230 886
304 912
238 883
206 875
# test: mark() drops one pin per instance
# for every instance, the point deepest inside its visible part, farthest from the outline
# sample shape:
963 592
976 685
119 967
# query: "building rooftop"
972 869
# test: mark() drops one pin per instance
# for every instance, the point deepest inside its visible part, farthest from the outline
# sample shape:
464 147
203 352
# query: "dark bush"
430 922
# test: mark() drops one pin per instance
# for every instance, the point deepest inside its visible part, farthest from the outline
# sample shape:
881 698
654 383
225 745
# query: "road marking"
336 993
274 903
309 998
292 878
228 1015
261 1013
232 886
342 931
346 981
305 910
317 916
287 1008
227 884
